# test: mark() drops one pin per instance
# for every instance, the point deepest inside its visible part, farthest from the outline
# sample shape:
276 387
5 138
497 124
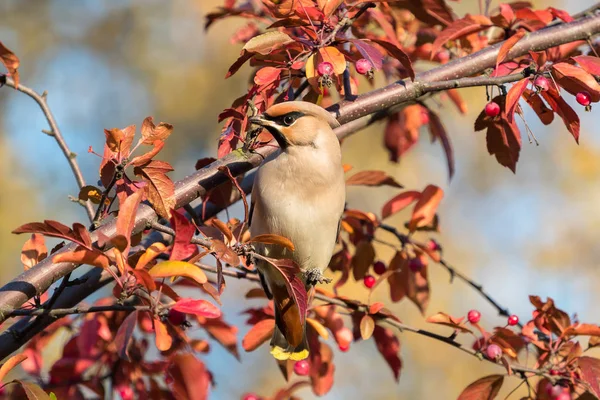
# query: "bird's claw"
245 250
314 276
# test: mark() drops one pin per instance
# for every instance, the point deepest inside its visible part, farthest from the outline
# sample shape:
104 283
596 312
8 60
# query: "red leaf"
321 368
124 335
267 75
258 334
507 45
398 54
163 339
294 285
364 257
191 380
373 178
160 189
11 62
389 347
486 388
223 333
590 373
589 64
560 14
57 230
399 202
245 56
437 130
184 231
369 52
575 79
126 217
534 100
513 96
459 28
564 110
197 307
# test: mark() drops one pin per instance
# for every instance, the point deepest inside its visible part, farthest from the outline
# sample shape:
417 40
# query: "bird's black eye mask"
285 119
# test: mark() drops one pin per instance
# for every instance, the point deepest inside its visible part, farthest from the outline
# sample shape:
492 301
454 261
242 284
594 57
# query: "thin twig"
165 229
60 312
55 132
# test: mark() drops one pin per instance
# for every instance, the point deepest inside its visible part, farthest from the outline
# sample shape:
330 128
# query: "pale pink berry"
493 351
363 66
541 83
325 68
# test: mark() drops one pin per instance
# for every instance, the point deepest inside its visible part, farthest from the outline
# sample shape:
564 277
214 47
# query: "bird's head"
296 123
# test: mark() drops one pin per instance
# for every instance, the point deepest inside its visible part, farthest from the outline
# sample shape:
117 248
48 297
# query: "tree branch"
57 135
39 278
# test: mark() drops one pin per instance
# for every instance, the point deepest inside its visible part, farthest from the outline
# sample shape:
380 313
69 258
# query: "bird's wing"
250 212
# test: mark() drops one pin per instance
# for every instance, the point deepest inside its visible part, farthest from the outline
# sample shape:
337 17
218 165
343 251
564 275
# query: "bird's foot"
245 250
314 276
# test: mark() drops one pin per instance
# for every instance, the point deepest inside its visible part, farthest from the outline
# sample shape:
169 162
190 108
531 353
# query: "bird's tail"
289 337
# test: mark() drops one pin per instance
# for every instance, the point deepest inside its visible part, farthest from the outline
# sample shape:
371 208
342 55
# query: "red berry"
583 98
415 265
301 368
541 83
474 316
176 317
379 267
513 320
492 109
126 392
250 396
493 351
433 245
325 68
363 66
554 372
424 117
369 281
563 396
344 348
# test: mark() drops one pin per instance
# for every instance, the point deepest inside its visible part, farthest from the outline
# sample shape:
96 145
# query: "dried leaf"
258 334
426 207
269 238
399 55
460 28
119 141
91 193
34 250
178 268
321 368
151 132
367 326
34 391
364 257
267 42
11 62
10 364
373 178
147 157
191 379
448 320
486 388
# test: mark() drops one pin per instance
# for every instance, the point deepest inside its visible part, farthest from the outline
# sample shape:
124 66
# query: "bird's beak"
273 129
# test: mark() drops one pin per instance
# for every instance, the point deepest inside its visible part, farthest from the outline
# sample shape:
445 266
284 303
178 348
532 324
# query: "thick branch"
39 278
55 132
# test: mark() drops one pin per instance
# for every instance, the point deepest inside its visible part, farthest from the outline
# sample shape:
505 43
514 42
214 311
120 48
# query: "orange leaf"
269 238
459 28
513 96
399 202
367 326
10 364
335 57
589 64
151 133
143 159
507 45
485 388
163 340
33 391
150 254
126 217
119 140
258 334
582 329
425 209
222 226
197 307
91 193
83 256
11 62
373 178
34 250
160 189
448 320
318 327
178 268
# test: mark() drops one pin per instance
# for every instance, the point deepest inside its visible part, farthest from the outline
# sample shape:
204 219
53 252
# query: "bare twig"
61 312
57 135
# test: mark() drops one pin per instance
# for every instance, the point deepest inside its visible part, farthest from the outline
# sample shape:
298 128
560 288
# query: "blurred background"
110 64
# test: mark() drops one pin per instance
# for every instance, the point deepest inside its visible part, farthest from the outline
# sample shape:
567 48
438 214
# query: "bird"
298 194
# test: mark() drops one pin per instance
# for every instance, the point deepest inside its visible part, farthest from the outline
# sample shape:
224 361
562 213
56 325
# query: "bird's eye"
288 120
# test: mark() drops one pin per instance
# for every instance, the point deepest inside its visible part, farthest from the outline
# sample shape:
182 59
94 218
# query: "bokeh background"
110 64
